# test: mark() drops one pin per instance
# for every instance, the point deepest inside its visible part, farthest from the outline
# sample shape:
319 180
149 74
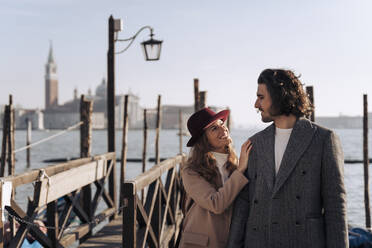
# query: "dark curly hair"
286 91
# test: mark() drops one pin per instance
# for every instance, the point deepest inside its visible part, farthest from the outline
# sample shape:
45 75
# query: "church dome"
101 89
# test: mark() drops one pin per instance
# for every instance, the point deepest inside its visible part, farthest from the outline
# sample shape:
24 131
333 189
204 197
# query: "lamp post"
151 50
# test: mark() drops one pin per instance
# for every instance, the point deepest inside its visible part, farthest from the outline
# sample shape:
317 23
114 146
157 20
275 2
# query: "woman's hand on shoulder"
244 156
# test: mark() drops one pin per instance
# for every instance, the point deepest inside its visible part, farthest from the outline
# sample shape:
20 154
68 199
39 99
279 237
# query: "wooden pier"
155 223
69 201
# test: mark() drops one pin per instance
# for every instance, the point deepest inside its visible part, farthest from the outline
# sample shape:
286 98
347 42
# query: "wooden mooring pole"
366 162
1 218
180 130
196 95
4 147
310 93
158 127
28 142
124 150
86 109
144 149
228 122
203 99
11 155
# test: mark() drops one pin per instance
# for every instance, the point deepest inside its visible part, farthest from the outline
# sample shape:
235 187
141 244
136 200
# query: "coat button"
298 197
303 172
255 176
254 228
255 201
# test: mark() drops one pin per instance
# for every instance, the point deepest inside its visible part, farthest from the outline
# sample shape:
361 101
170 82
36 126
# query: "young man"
296 195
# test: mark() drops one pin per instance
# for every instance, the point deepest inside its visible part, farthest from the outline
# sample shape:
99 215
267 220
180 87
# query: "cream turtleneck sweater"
221 159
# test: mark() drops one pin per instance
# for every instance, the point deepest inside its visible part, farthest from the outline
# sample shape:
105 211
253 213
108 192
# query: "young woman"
212 178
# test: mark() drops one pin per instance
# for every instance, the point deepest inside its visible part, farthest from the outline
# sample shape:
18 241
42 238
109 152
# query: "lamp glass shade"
151 49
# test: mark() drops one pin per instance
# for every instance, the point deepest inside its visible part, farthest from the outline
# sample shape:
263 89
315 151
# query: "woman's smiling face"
218 136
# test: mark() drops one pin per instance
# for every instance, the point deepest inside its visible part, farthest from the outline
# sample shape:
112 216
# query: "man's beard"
266 119
269 116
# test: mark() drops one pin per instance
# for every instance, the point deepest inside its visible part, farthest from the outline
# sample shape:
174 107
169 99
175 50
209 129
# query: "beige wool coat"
207 222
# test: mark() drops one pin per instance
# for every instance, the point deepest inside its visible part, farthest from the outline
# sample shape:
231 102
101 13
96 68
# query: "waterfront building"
63 116
22 116
343 121
56 116
51 81
170 116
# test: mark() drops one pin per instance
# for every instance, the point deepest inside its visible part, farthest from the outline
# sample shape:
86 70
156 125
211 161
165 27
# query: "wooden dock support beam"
129 237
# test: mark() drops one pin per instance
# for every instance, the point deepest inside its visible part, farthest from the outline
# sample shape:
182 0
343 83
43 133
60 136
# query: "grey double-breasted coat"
304 205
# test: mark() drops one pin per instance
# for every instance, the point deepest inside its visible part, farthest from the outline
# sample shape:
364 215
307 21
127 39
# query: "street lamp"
152 52
151 49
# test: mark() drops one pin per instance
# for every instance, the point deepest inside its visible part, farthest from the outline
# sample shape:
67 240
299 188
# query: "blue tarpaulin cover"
360 238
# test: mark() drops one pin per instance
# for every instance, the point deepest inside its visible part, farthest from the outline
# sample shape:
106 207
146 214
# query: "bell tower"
51 81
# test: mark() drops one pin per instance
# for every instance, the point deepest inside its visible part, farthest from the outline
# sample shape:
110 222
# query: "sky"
225 44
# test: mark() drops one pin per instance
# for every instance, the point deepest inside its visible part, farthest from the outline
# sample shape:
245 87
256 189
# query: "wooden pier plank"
109 236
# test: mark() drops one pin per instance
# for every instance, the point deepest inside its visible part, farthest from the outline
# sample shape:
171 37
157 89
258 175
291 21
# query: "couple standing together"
286 189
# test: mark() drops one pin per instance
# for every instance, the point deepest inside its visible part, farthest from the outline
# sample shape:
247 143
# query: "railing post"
366 162
129 237
156 216
86 108
124 150
158 127
52 220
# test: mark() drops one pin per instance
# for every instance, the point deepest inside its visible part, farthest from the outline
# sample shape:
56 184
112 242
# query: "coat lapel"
299 140
265 150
